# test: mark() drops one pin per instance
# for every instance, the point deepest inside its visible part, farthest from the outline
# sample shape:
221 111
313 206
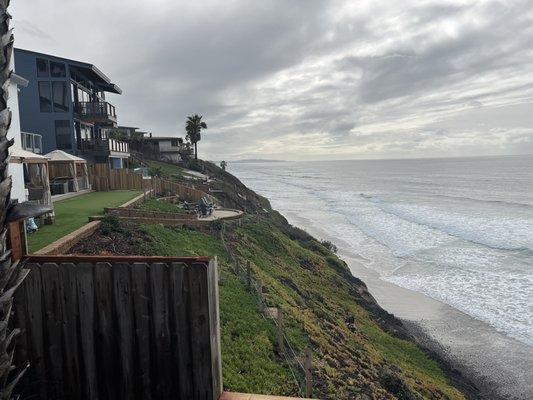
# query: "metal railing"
32 142
104 145
95 109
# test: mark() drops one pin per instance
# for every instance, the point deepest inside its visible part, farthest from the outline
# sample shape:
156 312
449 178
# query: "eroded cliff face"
361 350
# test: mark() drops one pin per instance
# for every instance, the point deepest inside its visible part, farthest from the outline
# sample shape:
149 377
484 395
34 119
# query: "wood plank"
160 320
37 371
214 326
106 346
179 327
52 321
85 287
200 335
123 307
20 320
141 308
69 304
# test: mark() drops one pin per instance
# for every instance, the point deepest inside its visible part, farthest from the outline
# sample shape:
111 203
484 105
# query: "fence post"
249 275
281 342
308 377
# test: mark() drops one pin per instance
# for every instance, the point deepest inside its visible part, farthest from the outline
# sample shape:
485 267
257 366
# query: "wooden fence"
103 178
119 328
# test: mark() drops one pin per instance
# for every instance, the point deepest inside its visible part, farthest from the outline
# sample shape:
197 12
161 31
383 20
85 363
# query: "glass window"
42 68
57 70
86 132
83 96
59 90
63 139
45 97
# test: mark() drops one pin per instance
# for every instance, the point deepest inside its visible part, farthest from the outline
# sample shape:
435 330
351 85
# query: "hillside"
359 350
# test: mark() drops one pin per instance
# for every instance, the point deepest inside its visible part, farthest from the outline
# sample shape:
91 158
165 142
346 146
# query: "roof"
157 138
60 155
126 127
86 68
21 154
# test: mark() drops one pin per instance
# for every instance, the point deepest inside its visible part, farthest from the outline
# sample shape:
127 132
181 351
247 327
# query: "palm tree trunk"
196 150
11 274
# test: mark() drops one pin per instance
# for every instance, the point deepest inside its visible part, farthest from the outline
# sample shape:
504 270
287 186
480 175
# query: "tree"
223 165
11 273
194 126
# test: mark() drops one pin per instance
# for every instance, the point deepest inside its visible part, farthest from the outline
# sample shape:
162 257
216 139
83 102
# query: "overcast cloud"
307 79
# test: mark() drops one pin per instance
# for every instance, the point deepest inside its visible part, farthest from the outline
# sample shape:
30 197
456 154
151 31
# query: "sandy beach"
499 366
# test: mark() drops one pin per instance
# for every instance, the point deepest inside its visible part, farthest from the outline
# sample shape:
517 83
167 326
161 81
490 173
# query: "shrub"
329 245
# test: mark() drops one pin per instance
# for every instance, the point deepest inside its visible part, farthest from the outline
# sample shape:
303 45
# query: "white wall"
15 170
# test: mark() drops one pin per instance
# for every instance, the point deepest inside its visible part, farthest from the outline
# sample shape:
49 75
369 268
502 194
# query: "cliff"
360 351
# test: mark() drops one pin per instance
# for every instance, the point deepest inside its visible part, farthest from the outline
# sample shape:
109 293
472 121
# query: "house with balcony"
64 107
166 148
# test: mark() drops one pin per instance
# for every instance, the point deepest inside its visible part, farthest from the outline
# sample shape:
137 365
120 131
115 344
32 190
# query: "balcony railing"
32 142
99 111
104 146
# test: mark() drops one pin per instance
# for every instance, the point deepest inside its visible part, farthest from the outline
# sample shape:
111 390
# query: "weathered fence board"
181 355
120 328
84 281
141 307
105 328
69 305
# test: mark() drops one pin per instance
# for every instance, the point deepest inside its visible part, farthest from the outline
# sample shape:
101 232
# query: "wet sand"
499 366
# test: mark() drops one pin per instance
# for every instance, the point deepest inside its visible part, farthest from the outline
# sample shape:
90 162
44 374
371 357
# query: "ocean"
459 230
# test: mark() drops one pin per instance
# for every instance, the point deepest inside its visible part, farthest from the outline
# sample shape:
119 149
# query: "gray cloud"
308 80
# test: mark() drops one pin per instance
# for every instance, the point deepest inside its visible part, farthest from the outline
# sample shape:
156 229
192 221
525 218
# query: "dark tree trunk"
11 274
196 150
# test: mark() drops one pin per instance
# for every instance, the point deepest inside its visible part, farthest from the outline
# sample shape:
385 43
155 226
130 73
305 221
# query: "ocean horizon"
459 230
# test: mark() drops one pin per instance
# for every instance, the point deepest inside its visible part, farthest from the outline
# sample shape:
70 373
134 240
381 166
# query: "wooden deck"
247 396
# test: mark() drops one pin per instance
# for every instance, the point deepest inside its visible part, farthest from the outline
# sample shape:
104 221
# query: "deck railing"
95 109
104 145
119 328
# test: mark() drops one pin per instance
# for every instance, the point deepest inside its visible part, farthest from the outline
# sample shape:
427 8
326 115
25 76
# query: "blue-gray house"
65 102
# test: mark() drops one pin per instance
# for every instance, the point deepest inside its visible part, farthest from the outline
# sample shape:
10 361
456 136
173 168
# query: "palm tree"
193 127
11 273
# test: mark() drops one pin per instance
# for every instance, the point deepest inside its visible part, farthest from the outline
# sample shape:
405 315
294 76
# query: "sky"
307 79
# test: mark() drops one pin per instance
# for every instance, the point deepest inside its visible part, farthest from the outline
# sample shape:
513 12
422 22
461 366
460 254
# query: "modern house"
65 103
167 148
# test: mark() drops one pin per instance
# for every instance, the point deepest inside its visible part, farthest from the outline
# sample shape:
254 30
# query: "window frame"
62 66
47 85
46 74
58 107
59 144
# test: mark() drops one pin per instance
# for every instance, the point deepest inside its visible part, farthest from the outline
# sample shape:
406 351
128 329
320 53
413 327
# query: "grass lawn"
73 213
